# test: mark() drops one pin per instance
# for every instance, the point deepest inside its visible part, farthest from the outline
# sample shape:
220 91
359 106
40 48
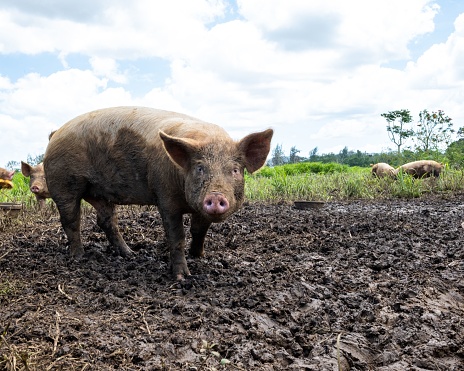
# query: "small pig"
144 156
382 169
422 168
37 183
5 178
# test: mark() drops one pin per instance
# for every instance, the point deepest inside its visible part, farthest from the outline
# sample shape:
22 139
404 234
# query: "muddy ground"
358 285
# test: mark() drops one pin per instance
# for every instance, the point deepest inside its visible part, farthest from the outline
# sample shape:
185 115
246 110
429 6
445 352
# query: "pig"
382 169
422 168
5 178
140 155
6 174
37 183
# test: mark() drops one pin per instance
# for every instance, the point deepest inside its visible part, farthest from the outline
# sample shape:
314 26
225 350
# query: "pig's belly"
127 194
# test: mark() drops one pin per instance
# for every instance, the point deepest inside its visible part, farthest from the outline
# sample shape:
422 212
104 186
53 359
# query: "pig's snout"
35 189
215 204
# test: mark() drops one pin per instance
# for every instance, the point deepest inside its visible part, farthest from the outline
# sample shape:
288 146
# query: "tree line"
432 137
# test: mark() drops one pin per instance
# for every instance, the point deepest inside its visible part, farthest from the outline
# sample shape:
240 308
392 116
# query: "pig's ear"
255 148
179 150
25 169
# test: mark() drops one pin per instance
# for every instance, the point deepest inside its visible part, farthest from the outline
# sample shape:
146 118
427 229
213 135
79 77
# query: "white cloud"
313 70
111 29
107 67
369 29
441 66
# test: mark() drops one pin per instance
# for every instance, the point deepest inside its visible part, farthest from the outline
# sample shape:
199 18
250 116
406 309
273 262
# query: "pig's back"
142 121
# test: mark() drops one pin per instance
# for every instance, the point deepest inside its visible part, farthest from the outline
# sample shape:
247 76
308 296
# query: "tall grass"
307 181
284 184
20 193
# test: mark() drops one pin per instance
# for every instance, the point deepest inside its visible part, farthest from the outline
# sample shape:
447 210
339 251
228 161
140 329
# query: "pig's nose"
215 203
35 189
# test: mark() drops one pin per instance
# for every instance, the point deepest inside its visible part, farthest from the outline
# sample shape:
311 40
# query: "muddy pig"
422 168
5 178
37 183
144 156
382 169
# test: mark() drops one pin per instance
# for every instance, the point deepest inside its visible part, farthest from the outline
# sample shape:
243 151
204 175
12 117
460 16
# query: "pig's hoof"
126 253
180 277
195 253
180 272
76 253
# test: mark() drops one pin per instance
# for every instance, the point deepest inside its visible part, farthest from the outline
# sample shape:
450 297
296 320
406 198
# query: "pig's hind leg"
70 216
108 222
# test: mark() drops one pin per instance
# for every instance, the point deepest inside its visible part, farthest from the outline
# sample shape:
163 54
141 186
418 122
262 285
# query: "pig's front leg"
175 236
198 228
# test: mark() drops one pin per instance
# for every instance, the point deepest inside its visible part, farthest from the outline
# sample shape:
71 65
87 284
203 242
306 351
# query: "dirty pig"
138 155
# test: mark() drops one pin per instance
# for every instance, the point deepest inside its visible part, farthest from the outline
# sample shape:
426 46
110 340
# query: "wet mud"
360 285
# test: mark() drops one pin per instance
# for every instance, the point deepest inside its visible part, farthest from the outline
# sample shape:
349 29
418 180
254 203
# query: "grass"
345 185
306 181
8 287
20 193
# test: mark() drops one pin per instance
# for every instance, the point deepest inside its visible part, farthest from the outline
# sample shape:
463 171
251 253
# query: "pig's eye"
236 171
200 169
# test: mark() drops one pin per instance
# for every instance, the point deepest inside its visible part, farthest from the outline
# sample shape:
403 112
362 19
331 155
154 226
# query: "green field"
307 181
325 182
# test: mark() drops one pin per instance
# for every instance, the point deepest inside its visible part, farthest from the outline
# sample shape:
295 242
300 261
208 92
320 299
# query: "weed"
209 355
8 288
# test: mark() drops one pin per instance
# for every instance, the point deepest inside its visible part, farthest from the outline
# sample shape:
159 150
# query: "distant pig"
139 155
37 183
5 178
422 168
382 169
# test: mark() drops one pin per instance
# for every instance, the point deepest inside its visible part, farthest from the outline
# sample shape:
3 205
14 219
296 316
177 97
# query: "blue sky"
320 73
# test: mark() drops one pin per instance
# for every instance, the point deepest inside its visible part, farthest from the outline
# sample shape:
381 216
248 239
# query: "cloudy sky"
319 72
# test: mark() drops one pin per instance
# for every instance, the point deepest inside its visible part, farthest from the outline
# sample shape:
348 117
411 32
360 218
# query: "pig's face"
37 183
214 170
214 183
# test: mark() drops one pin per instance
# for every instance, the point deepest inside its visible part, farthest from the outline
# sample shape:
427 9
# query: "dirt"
361 285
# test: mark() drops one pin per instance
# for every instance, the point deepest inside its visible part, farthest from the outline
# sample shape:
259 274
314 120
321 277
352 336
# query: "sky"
320 73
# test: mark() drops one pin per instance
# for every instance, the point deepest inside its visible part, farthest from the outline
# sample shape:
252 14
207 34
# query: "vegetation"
309 181
338 182
434 131
20 193
431 138
396 127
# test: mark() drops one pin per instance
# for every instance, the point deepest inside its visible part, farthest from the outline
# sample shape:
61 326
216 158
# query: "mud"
362 285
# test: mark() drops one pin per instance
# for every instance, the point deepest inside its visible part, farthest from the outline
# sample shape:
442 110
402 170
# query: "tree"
16 165
455 153
434 131
359 158
396 122
294 158
313 156
35 160
278 157
343 155
313 152
460 132
13 165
